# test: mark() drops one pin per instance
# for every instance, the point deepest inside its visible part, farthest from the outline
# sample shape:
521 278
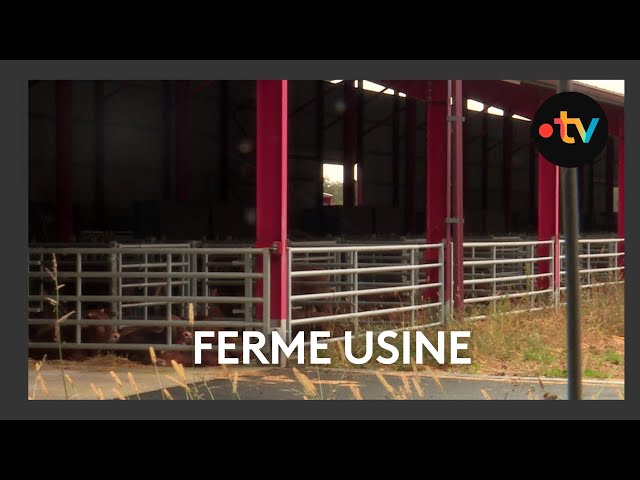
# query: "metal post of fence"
494 275
79 295
414 274
356 325
248 284
441 281
616 272
266 297
169 293
183 283
289 270
532 282
555 295
115 260
588 263
473 267
193 267
145 281
205 268
41 282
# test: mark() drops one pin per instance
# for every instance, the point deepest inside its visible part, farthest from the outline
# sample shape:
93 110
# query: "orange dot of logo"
545 130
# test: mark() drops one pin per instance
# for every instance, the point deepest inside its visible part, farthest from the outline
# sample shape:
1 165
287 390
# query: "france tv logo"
570 129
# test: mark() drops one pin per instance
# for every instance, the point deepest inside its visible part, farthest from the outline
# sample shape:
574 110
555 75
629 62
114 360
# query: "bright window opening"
495 111
334 183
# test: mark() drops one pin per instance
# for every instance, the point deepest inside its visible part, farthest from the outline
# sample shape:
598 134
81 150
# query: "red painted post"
182 140
621 194
436 184
458 194
350 127
64 161
548 218
271 188
410 166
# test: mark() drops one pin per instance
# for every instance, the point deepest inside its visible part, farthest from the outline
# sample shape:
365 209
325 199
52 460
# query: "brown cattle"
100 334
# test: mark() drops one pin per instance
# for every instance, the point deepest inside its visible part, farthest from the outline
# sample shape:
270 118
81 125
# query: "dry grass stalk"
116 378
485 394
388 387
97 391
356 392
118 393
308 387
166 394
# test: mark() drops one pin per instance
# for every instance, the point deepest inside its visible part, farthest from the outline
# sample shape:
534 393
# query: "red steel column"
182 140
410 167
548 217
458 193
350 127
271 187
621 193
64 161
436 183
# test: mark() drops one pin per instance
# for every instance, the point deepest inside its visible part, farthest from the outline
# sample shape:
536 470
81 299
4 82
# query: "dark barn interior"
176 160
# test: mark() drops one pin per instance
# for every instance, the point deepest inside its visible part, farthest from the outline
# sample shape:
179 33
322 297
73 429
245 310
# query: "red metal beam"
548 216
64 161
271 187
410 166
182 140
457 162
350 127
436 182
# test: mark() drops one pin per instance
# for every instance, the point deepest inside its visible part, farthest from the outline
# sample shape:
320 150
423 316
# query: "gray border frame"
13 204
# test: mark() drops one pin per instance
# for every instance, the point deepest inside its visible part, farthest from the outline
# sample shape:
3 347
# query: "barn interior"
176 161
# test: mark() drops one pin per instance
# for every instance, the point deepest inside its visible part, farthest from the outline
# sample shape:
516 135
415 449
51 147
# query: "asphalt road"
281 384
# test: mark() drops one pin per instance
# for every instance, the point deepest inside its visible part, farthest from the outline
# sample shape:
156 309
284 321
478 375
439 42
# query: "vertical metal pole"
168 294
414 282
589 281
79 295
271 191
458 202
441 280
289 270
570 214
248 284
116 282
437 198
494 275
145 281
532 284
356 296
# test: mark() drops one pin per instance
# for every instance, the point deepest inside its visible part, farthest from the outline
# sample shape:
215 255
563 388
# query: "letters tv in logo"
570 129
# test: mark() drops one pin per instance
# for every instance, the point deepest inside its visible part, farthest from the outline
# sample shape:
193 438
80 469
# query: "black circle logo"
570 129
